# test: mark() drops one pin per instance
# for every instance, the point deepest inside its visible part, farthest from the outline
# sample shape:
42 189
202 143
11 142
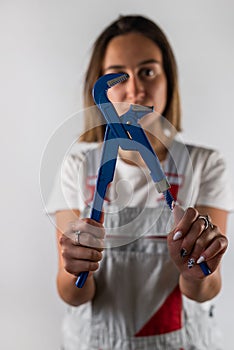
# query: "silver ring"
207 220
77 237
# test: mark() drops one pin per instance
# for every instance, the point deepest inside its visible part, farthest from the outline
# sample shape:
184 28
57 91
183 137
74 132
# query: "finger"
95 228
87 240
197 240
77 258
81 253
88 225
183 227
69 245
217 247
206 221
178 213
75 267
90 235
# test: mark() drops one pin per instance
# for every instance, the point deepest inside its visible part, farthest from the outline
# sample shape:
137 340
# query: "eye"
147 73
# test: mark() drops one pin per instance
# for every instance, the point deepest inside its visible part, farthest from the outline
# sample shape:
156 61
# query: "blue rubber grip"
81 279
205 268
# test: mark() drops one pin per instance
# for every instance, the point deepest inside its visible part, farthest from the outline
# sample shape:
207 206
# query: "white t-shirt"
138 304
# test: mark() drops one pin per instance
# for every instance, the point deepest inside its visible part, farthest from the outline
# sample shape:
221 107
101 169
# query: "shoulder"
81 149
81 160
80 152
208 163
199 153
206 157
195 148
199 159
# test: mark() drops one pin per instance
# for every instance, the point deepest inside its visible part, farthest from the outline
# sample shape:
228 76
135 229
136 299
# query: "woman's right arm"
73 258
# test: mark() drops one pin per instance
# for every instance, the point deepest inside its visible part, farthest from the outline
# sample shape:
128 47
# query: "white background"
44 48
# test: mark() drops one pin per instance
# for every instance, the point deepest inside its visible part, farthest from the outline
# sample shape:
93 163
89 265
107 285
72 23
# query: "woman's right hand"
86 253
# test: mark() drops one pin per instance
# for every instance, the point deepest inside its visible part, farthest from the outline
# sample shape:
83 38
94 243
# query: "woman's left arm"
190 243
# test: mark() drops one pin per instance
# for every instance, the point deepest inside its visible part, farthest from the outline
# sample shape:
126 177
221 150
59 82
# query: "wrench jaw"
105 106
104 83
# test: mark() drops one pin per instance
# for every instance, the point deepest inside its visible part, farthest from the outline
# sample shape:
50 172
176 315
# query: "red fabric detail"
176 181
174 191
91 185
166 319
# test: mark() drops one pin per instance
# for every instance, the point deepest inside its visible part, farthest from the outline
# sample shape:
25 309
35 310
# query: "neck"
134 157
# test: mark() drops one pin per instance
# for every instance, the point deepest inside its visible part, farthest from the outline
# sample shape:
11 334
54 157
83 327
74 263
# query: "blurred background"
44 49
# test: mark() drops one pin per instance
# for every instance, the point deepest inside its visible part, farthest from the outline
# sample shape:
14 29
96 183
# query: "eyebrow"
116 66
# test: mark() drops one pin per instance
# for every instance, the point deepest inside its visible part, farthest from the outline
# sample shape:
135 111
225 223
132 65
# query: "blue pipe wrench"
125 132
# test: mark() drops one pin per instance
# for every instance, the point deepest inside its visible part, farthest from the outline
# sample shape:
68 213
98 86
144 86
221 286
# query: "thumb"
102 218
178 213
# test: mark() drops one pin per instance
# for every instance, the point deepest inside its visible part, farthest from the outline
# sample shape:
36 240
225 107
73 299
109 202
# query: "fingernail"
200 260
191 263
177 235
183 253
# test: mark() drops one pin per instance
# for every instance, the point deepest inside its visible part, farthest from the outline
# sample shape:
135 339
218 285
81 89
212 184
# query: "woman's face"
141 59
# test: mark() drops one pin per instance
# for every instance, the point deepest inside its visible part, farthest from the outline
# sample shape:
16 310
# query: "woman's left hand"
191 243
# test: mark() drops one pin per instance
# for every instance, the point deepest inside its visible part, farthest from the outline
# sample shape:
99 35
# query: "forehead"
131 49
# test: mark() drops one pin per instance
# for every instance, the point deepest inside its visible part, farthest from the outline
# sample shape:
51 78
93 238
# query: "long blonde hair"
94 122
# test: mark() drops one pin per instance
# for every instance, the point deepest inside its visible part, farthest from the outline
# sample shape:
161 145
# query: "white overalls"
138 304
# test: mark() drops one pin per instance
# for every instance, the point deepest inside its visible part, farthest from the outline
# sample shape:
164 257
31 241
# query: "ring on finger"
77 237
207 220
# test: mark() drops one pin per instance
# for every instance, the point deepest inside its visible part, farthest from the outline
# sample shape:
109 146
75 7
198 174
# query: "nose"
135 91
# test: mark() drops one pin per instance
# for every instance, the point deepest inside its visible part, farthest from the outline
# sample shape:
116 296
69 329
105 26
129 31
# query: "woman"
151 292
